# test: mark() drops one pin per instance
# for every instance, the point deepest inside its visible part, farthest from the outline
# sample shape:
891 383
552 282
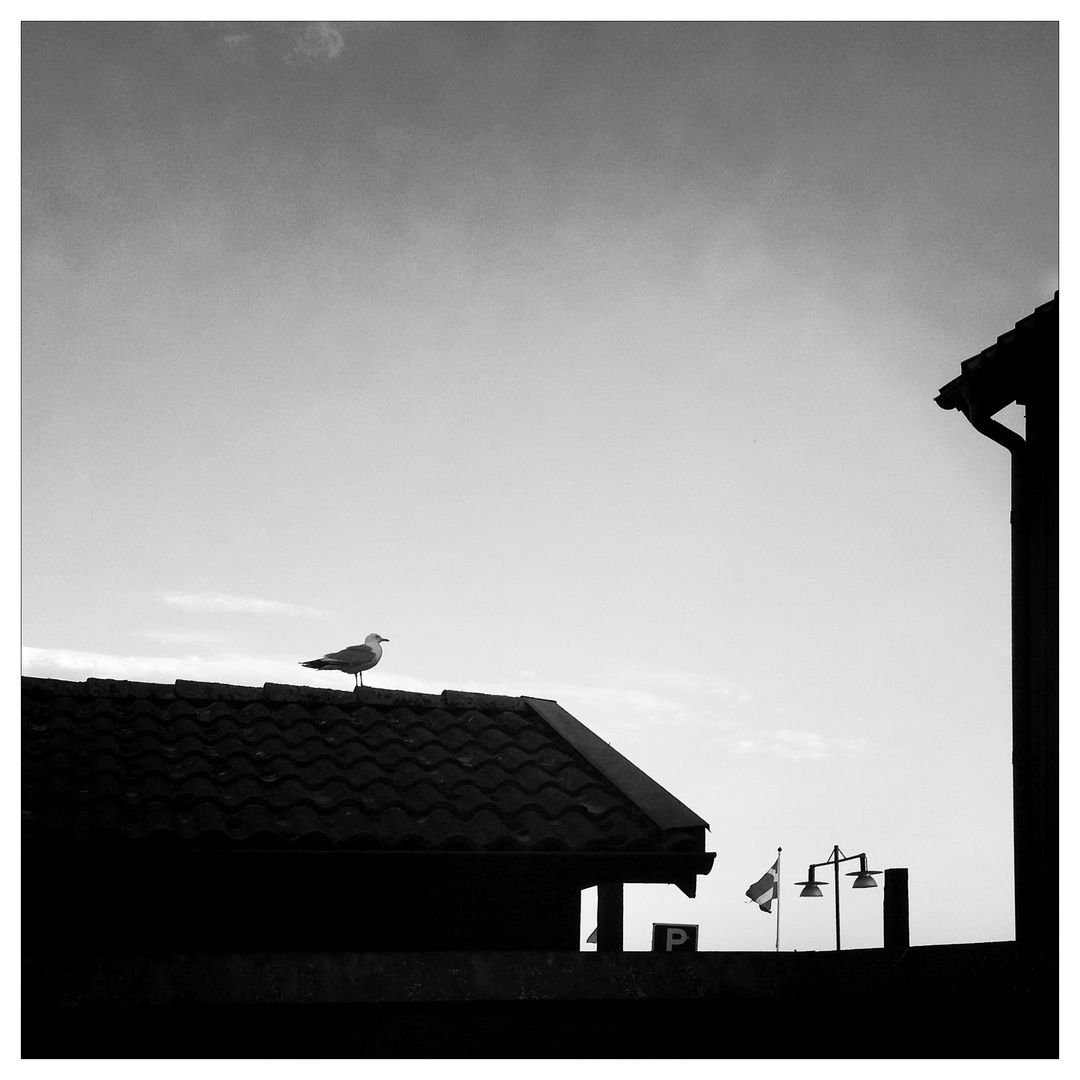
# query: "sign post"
674 937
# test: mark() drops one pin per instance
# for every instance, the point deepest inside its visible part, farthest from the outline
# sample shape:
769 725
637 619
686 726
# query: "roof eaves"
654 801
991 378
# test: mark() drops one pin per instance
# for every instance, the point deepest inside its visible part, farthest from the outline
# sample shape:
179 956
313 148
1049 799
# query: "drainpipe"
986 425
1028 871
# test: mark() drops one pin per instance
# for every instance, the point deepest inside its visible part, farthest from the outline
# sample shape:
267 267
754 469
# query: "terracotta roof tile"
209 766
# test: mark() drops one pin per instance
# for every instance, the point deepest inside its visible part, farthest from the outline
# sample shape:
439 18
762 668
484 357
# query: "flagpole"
778 850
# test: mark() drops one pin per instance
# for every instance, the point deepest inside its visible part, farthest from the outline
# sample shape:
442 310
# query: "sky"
585 361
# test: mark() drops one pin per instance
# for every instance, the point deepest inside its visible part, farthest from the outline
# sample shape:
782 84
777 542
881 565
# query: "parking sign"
674 937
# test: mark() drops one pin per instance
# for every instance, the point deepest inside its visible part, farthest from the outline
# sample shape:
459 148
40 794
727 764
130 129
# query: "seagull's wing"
354 654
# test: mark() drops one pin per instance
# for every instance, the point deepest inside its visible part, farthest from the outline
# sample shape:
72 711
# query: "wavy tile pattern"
190 764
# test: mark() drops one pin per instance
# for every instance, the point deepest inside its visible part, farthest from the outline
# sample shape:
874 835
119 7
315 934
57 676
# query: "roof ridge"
182 689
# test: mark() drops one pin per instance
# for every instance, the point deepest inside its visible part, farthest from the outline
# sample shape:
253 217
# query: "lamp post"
863 880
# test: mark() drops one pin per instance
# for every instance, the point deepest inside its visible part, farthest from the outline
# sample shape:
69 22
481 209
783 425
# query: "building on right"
1022 367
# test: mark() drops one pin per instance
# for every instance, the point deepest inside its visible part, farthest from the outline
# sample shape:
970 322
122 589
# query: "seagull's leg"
356 685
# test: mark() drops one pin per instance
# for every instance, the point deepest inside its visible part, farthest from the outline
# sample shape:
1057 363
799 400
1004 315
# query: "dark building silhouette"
1022 366
218 871
216 818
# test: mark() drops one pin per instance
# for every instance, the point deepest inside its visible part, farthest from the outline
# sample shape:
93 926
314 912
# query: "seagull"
353 660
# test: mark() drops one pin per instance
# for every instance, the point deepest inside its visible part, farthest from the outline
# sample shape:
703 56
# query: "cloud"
238 40
222 602
238 44
798 745
314 44
850 746
310 45
179 637
84 664
235 668
693 683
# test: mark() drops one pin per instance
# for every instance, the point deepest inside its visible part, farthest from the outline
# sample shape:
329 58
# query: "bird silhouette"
353 660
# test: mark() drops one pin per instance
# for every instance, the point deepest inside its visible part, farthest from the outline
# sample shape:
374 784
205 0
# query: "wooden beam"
609 916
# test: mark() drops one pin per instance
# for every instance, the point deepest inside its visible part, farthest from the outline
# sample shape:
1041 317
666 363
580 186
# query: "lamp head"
863 877
811 887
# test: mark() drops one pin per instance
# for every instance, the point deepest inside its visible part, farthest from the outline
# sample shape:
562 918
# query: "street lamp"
864 879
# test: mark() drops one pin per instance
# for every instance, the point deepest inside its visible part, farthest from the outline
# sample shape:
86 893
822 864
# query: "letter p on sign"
674 937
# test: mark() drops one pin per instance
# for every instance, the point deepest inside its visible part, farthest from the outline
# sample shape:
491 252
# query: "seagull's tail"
322 665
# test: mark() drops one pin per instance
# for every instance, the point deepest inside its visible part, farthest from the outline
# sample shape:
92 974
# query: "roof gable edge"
655 801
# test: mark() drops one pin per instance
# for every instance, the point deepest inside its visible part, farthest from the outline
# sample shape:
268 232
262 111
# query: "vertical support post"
1026 867
836 881
1035 660
609 916
776 891
897 927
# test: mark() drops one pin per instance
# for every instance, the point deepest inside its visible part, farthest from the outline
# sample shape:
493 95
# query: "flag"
763 891
591 939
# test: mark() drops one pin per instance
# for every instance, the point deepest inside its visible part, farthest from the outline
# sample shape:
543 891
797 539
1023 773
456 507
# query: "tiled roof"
201 765
999 375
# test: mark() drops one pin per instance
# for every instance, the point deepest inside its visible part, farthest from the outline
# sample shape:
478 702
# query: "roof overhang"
1004 373
581 869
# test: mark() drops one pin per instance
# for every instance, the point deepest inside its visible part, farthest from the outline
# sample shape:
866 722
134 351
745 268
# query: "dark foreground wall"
973 1001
